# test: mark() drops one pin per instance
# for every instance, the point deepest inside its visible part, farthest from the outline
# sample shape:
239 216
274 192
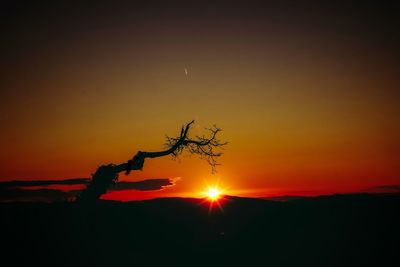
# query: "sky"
306 92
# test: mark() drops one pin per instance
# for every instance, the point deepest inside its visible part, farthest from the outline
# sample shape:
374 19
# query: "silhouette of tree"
107 175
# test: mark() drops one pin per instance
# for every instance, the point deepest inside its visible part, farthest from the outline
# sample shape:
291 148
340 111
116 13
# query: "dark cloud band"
37 190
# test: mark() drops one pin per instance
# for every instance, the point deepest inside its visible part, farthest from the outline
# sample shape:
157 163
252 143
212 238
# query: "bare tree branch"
203 146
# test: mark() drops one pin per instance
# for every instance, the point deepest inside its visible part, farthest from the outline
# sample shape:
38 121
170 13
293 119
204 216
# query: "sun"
213 193
214 196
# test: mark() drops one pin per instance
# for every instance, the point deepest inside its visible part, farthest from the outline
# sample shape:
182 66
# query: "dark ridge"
349 230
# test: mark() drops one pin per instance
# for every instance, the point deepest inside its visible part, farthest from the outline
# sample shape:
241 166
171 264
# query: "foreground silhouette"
343 230
107 175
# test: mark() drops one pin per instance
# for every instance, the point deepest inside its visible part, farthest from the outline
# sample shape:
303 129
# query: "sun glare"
213 194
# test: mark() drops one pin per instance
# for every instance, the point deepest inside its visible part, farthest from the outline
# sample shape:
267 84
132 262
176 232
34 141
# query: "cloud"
146 185
384 189
49 191
76 181
36 195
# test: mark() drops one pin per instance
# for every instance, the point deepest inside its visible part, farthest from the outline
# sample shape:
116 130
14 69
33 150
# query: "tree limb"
107 175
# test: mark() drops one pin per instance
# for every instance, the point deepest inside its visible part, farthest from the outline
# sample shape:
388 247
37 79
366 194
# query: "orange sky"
308 101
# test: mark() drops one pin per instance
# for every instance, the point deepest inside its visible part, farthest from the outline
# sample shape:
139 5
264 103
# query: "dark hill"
349 230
